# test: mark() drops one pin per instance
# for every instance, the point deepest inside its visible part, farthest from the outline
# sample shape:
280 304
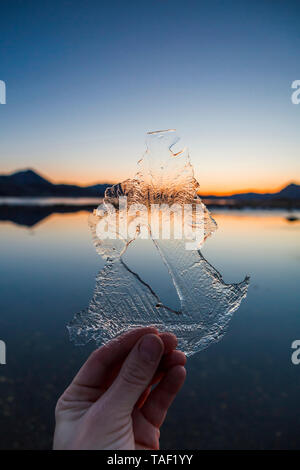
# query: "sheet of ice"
122 300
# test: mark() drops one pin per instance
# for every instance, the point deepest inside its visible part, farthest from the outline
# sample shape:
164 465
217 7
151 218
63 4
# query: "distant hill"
28 183
291 191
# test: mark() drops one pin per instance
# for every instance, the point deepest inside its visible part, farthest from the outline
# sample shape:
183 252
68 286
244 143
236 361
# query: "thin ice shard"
122 300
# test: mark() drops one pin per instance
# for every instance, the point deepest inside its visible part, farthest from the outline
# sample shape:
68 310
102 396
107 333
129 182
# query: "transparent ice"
122 300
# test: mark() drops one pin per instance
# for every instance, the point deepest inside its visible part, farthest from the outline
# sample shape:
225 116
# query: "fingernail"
150 348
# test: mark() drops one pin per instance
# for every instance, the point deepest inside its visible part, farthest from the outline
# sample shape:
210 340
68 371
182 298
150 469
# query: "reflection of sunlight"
254 238
239 232
267 228
252 221
250 224
67 220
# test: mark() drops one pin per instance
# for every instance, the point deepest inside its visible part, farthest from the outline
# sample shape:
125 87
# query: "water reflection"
31 215
241 393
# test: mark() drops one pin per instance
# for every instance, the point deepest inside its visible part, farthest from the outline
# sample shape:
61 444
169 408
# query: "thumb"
136 373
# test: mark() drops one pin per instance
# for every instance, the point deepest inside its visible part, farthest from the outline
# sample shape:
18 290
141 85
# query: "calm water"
242 393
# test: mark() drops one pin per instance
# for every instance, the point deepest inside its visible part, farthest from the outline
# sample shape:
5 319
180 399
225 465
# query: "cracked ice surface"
121 299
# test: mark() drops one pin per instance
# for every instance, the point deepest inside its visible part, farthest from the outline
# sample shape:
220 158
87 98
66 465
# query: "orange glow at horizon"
262 190
206 188
211 183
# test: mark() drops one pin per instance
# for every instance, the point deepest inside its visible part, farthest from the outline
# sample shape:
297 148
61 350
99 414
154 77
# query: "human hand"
110 404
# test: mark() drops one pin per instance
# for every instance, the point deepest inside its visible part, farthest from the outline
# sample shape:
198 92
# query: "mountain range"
291 191
28 183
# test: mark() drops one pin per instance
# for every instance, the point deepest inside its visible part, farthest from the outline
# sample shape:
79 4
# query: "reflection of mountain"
32 215
28 183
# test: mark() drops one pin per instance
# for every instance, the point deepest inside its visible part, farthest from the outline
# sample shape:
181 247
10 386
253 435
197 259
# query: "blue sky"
87 79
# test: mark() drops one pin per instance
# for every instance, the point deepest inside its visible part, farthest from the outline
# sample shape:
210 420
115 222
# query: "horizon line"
106 182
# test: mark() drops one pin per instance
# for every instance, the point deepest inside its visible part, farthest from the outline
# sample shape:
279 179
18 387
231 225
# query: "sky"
86 80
